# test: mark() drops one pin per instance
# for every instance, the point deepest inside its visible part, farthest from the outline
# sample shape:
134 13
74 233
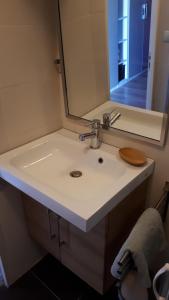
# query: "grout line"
45 285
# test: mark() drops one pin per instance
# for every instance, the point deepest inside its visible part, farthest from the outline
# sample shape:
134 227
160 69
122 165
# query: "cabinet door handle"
63 232
52 236
52 225
62 243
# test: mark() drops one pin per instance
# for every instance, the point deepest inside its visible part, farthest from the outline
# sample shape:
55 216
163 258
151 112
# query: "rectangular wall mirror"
109 53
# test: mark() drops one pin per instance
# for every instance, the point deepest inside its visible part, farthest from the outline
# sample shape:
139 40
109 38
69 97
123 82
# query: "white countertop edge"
122 194
44 200
72 217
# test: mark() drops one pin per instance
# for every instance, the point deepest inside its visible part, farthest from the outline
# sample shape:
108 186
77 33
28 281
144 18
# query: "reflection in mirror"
130 62
109 58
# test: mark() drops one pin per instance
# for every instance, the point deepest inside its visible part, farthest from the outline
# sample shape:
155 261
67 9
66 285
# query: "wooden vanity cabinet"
43 225
89 255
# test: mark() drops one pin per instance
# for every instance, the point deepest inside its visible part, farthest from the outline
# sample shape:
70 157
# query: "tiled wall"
29 108
29 101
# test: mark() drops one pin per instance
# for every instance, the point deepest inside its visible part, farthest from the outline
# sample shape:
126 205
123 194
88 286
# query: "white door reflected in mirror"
131 44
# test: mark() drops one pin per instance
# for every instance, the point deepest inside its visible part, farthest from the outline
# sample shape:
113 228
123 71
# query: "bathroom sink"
78 183
53 164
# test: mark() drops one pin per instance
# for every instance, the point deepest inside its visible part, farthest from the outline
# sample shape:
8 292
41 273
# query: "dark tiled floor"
27 288
49 280
133 92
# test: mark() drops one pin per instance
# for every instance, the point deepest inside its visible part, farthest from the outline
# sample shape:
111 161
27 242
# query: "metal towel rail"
126 264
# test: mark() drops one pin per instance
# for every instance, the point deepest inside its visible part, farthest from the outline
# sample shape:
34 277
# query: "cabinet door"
83 253
43 225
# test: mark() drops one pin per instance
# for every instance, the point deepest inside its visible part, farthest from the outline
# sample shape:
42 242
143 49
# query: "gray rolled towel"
145 242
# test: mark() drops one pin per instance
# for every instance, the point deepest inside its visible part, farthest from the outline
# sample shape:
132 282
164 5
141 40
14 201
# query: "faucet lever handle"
110 118
106 120
95 124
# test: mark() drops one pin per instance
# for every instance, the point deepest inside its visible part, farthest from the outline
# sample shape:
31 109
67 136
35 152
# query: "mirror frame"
85 122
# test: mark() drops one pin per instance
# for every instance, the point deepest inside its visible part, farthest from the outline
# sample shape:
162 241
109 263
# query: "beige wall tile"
28 111
29 108
85 59
75 9
25 55
80 68
98 21
97 6
27 12
29 100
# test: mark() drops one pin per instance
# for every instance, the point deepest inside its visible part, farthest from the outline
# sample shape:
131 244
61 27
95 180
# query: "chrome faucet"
110 118
94 135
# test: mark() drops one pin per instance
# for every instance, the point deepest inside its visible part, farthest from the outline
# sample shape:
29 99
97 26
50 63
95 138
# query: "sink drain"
76 174
100 160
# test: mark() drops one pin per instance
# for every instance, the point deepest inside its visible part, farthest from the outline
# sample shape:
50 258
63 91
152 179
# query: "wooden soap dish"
133 156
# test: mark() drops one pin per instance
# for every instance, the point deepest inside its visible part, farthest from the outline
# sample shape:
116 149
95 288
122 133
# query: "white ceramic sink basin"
42 170
51 164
